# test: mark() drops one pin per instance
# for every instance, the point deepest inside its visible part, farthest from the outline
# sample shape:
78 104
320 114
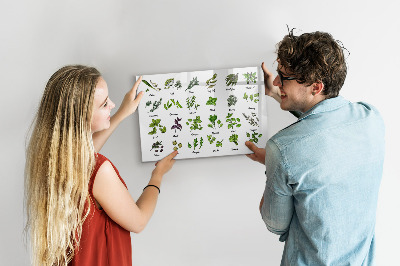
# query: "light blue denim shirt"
323 176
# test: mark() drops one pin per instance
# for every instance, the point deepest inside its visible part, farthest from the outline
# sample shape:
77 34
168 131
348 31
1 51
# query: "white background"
208 208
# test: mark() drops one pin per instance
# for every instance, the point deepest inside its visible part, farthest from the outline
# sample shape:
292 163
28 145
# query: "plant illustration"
212 81
176 145
211 139
190 145
253 97
195 123
173 102
234 138
154 131
232 122
178 84
191 102
211 101
156 104
219 143
155 123
158 146
254 136
192 83
169 83
232 79
232 100
153 85
252 119
177 125
196 143
214 122
250 77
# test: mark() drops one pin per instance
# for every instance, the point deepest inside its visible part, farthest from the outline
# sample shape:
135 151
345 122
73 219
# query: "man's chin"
285 108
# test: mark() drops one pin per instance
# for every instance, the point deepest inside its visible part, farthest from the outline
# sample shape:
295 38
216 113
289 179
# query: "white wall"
208 208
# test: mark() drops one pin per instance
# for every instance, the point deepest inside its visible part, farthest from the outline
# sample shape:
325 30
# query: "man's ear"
317 88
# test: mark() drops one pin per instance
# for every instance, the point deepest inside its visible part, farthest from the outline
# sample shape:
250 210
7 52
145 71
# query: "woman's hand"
128 107
270 89
131 101
258 155
164 165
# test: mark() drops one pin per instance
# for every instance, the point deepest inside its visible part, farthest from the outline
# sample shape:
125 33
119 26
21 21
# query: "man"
323 171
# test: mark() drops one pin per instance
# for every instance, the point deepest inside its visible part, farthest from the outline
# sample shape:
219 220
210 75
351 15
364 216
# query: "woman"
78 207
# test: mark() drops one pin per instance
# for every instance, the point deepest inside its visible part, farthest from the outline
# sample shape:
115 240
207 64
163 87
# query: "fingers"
139 97
166 163
265 69
172 155
169 157
251 146
252 156
136 85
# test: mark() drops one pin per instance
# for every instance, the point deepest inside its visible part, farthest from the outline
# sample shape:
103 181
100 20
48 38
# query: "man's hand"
258 155
270 89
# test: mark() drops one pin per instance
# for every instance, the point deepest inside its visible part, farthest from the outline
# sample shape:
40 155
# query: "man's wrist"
277 97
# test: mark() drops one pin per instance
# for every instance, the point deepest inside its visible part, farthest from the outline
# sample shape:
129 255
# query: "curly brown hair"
314 57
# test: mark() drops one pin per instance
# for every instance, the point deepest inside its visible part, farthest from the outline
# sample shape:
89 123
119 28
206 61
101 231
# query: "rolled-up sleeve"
277 209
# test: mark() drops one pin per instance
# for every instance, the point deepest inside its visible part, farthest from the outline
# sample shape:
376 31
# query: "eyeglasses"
282 78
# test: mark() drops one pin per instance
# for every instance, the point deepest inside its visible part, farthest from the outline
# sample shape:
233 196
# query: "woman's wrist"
118 116
156 178
157 187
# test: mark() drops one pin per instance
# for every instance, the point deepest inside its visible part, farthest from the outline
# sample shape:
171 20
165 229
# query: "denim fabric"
323 176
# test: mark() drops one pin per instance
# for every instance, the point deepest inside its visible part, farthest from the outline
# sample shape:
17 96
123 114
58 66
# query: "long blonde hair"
59 161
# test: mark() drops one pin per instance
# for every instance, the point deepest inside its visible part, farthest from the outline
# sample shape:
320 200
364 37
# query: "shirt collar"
325 106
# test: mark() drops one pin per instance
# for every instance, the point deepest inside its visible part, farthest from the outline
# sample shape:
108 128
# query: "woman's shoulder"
100 158
105 167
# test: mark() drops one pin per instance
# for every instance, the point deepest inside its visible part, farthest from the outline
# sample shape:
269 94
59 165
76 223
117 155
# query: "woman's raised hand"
131 100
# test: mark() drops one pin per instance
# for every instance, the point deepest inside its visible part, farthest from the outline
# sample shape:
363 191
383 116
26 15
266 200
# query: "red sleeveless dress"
103 241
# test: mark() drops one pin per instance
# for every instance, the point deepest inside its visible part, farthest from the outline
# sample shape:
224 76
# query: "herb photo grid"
200 113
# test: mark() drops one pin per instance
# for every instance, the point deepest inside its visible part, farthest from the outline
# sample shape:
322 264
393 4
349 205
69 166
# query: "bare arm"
116 201
128 107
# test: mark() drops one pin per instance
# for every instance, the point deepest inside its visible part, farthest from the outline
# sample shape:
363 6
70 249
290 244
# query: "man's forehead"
282 69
